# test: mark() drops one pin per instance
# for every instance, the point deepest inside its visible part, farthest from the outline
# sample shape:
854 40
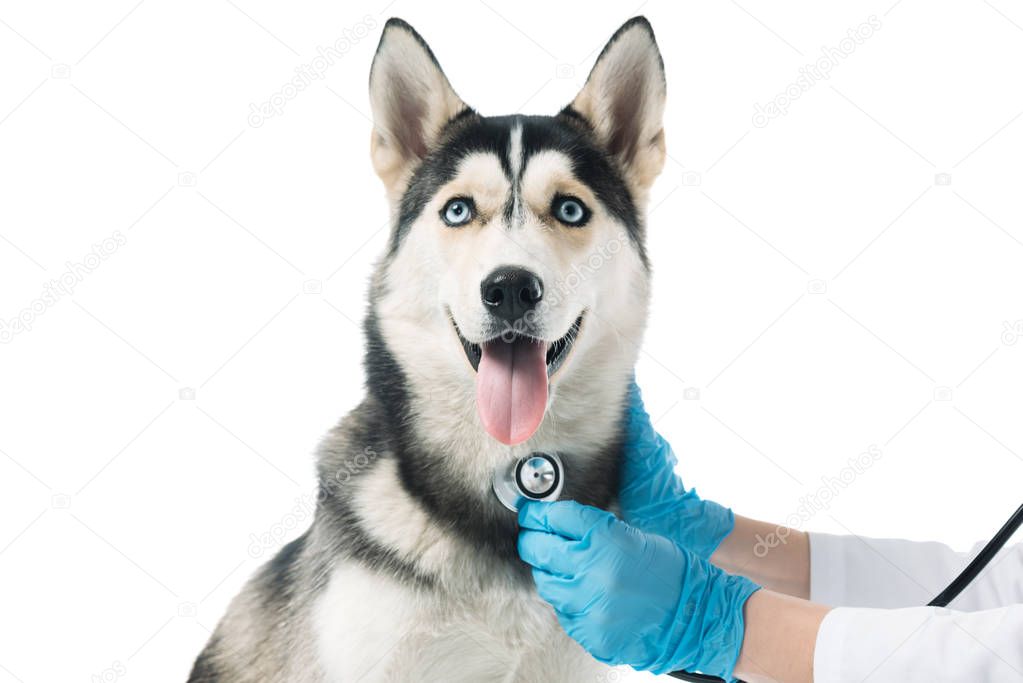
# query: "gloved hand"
652 496
629 597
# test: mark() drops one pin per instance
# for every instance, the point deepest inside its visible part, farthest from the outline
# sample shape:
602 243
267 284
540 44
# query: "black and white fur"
409 570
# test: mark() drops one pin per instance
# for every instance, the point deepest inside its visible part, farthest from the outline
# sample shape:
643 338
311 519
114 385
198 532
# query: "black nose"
509 292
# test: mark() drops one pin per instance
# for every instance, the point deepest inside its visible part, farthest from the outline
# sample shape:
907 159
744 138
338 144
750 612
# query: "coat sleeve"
877 631
852 571
919 644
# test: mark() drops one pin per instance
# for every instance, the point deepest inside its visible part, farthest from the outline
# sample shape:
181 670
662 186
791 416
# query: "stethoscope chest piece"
537 476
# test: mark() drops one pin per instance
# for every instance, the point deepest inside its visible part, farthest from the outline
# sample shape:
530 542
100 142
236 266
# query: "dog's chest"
370 627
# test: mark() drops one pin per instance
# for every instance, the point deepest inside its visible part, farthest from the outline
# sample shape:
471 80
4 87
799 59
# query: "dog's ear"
411 100
623 101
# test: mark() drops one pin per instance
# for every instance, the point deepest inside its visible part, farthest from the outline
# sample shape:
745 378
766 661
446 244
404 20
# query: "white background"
816 284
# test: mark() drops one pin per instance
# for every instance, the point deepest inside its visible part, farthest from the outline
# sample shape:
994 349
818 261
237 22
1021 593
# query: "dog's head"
516 270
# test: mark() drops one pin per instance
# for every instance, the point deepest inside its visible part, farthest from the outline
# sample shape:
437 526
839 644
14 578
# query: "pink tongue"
511 389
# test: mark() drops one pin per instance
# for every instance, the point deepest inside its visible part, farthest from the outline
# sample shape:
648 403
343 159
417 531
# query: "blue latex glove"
652 496
629 597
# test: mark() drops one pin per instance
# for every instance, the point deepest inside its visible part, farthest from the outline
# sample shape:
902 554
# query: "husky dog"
505 317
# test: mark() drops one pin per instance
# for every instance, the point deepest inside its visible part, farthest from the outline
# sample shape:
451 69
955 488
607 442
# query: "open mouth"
557 351
512 375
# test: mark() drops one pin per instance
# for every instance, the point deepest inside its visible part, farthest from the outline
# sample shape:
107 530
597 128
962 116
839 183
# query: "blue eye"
458 211
570 211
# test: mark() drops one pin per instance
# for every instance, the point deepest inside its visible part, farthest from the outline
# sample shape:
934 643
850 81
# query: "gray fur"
409 569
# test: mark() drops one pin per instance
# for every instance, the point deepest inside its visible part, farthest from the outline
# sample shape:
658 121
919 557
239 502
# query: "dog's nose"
509 292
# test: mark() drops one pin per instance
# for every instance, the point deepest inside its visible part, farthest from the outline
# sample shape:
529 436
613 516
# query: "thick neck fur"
446 461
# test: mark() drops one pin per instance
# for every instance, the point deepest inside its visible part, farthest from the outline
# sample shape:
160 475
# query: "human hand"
630 597
652 496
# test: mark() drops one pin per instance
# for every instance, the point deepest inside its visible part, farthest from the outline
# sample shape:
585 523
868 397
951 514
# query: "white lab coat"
878 631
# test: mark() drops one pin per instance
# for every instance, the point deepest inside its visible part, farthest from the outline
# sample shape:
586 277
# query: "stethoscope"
541 476
537 476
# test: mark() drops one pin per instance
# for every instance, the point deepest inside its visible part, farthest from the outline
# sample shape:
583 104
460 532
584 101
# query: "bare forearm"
778 645
781 625
776 557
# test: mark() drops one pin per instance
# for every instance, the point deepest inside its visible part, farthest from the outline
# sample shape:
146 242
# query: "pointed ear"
411 100
623 101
